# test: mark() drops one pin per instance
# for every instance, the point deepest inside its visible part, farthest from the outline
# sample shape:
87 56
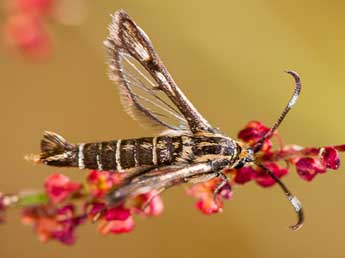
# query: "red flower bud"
308 168
32 7
100 182
59 187
149 204
263 179
93 209
208 205
253 132
2 208
117 213
330 158
244 175
116 226
28 34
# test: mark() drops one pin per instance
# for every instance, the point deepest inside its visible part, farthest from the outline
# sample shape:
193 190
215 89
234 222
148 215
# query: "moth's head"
245 156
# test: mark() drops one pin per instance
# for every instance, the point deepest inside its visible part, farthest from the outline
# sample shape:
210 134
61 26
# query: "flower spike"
293 199
291 102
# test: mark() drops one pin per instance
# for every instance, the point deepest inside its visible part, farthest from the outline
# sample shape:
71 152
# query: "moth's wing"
134 65
139 95
158 180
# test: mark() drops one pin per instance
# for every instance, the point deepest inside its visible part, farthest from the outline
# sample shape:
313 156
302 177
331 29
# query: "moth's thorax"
211 147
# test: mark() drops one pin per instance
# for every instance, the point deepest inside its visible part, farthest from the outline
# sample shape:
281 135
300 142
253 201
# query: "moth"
187 149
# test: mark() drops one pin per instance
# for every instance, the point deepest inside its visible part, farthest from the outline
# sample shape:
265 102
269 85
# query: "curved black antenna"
291 102
292 199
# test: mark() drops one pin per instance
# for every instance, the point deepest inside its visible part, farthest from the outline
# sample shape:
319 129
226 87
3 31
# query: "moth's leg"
157 193
220 185
155 180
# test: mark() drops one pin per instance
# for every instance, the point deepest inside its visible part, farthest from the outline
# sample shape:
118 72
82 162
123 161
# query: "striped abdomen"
123 155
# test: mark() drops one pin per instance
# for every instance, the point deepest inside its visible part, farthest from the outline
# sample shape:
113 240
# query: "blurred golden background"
228 57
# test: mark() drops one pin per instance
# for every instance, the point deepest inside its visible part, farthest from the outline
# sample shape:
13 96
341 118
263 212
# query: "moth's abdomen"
122 155
111 155
56 151
119 155
100 156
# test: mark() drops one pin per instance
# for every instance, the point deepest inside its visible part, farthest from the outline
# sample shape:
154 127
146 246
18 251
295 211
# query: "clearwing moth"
186 150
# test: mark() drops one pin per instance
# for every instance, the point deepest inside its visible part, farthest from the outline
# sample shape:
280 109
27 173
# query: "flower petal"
265 180
116 226
59 187
308 168
29 35
100 182
154 207
244 175
330 158
117 213
32 7
253 132
208 205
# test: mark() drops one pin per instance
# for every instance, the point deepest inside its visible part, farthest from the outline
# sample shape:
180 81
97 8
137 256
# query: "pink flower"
50 222
100 182
263 179
116 226
330 158
308 168
32 7
117 213
308 161
209 206
253 132
29 35
94 210
2 208
149 204
59 187
68 221
244 175
208 203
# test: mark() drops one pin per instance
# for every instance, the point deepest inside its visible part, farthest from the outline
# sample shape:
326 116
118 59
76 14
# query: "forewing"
134 65
139 95
158 180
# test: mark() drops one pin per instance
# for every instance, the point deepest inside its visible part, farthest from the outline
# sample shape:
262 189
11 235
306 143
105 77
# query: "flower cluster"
56 213
70 204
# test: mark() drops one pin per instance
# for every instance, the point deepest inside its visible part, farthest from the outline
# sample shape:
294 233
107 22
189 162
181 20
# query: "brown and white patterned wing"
147 90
